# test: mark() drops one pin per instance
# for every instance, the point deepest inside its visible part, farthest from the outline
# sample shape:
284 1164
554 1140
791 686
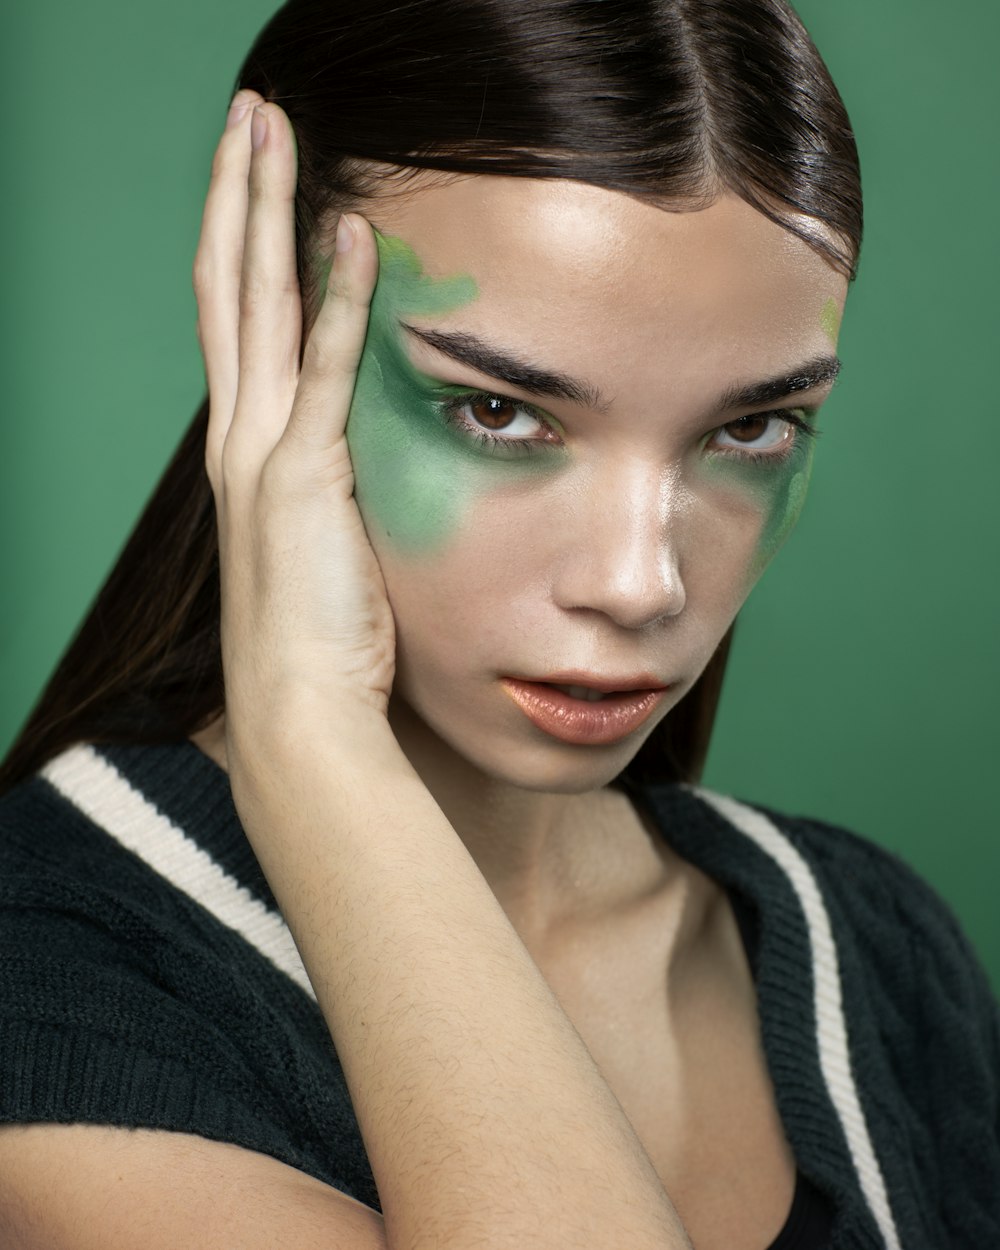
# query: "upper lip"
606 685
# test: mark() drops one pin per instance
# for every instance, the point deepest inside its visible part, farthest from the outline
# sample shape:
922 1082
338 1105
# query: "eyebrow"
497 363
807 376
469 350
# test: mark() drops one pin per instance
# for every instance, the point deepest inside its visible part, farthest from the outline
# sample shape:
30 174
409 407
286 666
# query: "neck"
548 857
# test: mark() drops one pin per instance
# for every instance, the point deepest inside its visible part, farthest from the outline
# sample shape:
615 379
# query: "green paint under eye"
415 474
777 487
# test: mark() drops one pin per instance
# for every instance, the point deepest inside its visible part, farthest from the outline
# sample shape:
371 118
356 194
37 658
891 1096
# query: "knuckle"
214 277
200 274
235 473
268 192
220 162
253 292
229 154
338 292
286 286
275 479
258 288
256 188
215 480
228 467
329 359
334 347
349 296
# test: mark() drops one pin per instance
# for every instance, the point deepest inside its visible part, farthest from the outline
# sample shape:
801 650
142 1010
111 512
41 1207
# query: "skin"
569 1063
830 320
631 553
415 475
414 478
626 547
777 490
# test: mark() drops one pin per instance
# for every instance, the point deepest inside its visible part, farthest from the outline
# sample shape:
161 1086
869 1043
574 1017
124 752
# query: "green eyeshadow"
415 474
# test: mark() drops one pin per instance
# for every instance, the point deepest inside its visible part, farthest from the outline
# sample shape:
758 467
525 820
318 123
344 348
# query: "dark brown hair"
671 101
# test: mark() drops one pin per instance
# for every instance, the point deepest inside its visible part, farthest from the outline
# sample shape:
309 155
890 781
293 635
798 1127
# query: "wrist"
311 732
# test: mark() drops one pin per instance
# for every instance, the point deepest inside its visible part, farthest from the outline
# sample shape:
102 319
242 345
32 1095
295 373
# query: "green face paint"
776 486
415 473
829 320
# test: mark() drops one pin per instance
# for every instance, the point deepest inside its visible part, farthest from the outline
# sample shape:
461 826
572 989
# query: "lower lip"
579 721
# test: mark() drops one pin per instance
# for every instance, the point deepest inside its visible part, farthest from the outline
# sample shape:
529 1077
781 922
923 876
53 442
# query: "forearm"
485 1119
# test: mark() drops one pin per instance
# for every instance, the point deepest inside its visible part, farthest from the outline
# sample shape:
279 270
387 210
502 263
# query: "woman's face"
577 443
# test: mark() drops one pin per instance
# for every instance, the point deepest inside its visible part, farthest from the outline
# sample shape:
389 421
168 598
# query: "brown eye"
493 412
749 429
497 419
759 432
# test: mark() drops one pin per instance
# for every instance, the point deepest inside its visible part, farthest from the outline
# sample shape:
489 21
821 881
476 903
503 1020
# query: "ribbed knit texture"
125 999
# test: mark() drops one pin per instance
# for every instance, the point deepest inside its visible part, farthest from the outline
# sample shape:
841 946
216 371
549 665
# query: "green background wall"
864 683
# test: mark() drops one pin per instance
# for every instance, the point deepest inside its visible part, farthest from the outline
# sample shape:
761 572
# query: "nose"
622 556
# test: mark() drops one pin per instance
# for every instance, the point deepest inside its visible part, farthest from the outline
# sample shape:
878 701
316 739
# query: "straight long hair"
670 101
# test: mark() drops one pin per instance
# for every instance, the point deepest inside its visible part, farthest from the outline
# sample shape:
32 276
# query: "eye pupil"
493 412
750 428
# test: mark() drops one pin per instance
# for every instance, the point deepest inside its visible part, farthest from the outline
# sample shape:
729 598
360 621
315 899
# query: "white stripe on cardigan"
831 1027
93 785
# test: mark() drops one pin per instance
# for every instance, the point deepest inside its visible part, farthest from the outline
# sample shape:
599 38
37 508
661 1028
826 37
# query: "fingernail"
238 109
345 235
258 129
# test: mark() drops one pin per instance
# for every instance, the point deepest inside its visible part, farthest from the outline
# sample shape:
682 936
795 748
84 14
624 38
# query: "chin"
561 769
529 760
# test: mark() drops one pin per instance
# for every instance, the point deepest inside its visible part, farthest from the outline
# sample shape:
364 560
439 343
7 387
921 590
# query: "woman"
481 528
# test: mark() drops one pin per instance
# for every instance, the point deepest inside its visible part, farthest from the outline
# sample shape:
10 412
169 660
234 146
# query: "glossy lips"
581 721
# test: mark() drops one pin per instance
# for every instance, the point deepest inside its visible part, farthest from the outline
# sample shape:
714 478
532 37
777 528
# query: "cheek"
406 482
472 601
418 484
774 496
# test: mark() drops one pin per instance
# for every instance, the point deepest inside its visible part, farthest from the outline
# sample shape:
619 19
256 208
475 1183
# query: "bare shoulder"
86 1187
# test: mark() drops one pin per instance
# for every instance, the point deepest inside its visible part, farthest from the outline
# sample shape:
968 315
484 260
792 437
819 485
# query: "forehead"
589 277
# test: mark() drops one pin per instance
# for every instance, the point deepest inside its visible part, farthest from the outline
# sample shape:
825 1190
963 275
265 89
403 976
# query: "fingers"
218 266
250 311
333 350
270 309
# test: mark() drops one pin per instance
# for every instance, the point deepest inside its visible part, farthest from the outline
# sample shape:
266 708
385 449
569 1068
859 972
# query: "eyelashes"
796 421
490 440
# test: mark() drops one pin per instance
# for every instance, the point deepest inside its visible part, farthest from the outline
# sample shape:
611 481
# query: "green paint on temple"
829 319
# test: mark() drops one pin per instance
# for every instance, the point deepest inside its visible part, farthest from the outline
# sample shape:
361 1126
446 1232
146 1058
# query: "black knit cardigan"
148 980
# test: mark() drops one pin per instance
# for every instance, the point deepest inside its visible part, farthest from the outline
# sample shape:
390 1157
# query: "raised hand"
305 618
415 966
